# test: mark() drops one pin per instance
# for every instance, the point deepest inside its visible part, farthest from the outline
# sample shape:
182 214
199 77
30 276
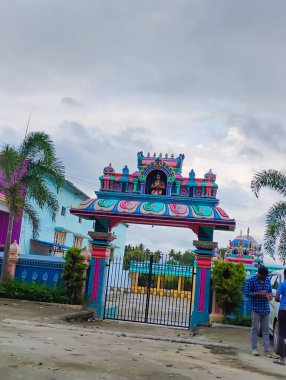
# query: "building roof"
76 189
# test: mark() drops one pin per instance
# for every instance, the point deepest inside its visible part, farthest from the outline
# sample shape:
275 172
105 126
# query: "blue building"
41 260
67 231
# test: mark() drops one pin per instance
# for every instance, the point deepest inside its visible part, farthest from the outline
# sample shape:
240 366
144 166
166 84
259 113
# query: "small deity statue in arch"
158 187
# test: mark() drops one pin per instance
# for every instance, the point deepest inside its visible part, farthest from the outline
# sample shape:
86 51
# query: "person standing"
258 289
281 297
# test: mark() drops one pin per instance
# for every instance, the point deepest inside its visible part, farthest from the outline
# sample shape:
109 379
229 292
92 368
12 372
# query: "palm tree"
141 248
275 234
24 172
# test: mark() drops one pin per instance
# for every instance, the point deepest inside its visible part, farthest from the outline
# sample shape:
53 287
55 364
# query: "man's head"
262 272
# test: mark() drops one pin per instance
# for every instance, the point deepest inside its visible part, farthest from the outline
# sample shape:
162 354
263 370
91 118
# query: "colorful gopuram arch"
155 194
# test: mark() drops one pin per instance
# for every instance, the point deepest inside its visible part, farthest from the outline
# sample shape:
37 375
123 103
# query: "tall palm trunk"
5 261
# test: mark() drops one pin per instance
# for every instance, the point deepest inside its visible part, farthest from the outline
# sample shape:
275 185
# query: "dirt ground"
36 342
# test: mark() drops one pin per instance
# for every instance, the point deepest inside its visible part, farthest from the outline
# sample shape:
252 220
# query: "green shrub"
228 279
32 292
74 275
238 320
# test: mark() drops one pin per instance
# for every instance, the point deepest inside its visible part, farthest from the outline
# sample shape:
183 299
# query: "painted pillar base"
198 318
97 280
101 246
200 314
205 248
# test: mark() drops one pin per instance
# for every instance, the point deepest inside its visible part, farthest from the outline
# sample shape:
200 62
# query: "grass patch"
33 292
238 320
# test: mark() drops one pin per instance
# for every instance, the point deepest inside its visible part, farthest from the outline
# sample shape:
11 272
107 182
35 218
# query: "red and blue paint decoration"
156 194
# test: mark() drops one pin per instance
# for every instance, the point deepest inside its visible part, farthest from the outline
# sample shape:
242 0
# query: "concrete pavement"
36 343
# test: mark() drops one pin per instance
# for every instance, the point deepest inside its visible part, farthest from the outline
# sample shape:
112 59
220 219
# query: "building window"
60 237
80 220
63 212
77 241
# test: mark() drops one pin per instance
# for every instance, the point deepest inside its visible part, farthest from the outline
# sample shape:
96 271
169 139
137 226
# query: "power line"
240 205
254 224
82 180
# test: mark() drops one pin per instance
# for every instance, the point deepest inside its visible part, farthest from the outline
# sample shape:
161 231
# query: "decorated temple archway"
155 194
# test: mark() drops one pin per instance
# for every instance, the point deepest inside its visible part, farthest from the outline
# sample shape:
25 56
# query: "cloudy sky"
109 78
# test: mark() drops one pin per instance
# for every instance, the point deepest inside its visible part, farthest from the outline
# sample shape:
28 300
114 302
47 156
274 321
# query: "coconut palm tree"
24 172
275 234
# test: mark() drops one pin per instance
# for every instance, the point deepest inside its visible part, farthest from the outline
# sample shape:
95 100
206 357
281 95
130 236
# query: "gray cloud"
133 136
247 152
71 102
270 133
202 50
234 196
86 151
8 135
93 137
260 220
151 75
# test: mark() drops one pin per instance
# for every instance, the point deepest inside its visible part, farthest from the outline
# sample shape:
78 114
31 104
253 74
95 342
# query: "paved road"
36 344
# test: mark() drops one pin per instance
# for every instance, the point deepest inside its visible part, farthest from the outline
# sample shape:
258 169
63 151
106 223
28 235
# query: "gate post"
101 244
204 252
15 250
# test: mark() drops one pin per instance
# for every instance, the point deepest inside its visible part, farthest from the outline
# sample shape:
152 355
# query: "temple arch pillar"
201 300
101 246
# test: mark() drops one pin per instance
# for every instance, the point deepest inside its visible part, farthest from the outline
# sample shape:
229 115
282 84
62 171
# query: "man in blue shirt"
281 297
258 289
